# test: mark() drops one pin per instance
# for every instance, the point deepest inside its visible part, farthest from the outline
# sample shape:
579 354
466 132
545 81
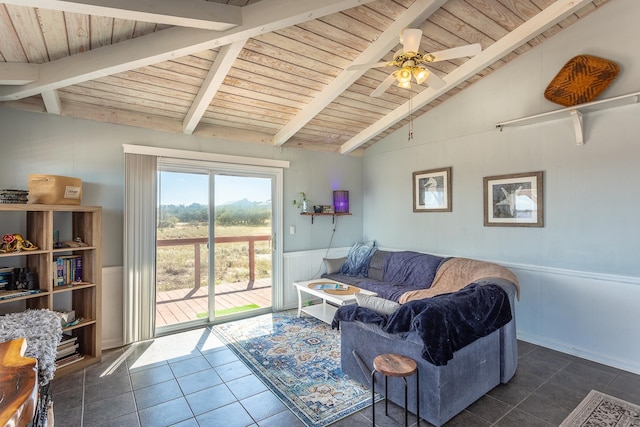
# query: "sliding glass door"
214 245
242 235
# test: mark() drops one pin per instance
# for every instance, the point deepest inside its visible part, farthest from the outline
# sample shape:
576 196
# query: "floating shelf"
575 113
334 215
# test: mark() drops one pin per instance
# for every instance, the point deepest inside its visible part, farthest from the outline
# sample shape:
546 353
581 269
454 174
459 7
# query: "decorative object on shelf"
302 202
75 243
340 201
581 80
432 190
513 200
14 196
24 279
317 208
54 190
328 209
16 243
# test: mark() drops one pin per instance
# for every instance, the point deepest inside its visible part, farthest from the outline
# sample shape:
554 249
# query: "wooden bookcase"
38 224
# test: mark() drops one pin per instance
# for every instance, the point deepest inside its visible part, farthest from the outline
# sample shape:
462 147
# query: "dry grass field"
175 264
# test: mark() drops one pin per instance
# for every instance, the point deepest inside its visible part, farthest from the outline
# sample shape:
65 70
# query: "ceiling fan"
410 62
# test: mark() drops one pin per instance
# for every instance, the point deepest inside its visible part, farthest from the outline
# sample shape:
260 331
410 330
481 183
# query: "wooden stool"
395 365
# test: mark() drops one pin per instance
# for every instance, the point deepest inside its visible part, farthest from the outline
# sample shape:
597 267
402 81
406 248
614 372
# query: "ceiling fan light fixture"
404 75
420 74
405 84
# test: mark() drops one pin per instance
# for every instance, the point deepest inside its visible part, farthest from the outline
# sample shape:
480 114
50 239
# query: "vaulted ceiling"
262 71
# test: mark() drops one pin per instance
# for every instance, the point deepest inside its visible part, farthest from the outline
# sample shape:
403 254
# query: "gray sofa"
446 388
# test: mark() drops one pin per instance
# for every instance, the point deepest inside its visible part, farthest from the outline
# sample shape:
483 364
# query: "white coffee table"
330 301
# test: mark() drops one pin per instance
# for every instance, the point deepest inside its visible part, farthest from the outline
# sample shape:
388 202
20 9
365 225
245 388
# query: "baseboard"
112 343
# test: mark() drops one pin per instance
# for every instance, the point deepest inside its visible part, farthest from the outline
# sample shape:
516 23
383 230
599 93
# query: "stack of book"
67 352
6 278
67 269
14 196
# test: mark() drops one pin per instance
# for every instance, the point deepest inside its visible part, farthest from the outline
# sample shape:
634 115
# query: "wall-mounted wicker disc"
581 80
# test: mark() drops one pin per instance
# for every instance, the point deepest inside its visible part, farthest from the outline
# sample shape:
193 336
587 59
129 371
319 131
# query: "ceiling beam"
257 18
184 13
15 73
218 71
541 22
52 101
414 15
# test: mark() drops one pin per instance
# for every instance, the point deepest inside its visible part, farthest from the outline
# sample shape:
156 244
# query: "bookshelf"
39 224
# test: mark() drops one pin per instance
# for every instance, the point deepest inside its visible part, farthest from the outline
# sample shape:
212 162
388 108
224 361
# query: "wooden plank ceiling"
269 71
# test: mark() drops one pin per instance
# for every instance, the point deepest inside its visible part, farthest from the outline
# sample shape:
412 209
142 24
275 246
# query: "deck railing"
196 242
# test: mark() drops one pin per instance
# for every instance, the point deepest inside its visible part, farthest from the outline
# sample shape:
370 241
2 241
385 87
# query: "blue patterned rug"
299 360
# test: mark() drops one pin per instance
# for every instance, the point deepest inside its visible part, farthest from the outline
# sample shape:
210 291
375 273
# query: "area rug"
601 410
299 360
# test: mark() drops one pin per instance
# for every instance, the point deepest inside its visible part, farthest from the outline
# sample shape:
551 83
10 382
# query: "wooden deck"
185 304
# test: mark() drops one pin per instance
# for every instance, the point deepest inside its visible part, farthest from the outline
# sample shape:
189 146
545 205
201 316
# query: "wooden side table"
18 384
395 365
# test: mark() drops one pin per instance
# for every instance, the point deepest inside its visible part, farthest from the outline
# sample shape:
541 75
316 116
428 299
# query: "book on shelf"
68 360
67 269
6 277
18 293
67 339
66 351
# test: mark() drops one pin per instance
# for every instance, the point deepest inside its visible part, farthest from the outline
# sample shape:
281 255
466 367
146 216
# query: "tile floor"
192 379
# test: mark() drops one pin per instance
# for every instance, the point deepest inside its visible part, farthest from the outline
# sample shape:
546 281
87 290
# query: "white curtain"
139 246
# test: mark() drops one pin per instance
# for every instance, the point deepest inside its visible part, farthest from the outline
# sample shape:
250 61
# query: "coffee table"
331 298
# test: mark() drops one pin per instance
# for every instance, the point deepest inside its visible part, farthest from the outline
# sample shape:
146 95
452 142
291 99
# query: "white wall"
591 193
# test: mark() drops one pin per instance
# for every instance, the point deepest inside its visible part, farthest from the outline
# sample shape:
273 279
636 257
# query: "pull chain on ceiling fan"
411 63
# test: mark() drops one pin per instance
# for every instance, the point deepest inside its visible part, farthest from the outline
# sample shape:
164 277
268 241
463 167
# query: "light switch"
292 229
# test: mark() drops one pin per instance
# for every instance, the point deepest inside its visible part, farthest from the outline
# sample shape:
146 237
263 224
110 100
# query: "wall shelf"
334 215
575 113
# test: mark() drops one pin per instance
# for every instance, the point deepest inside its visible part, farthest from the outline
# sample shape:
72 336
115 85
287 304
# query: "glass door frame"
212 168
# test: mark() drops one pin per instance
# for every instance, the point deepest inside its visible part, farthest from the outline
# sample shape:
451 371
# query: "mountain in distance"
246 204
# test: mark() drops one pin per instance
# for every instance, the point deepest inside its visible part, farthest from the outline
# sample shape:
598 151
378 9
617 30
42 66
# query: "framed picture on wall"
513 200
432 190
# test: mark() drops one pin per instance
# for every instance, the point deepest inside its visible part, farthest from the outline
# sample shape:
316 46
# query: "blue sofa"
449 380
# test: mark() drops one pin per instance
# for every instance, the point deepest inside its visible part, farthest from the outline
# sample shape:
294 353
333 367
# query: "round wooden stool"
395 365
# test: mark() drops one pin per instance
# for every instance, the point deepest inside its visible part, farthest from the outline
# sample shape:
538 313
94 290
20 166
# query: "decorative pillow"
333 264
377 304
357 262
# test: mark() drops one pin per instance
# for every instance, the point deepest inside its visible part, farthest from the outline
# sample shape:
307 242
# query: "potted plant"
301 202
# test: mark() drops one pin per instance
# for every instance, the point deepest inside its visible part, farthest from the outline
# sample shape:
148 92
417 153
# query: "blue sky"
185 188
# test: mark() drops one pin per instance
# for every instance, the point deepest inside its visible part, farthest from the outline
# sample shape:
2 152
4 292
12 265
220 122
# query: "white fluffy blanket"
42 330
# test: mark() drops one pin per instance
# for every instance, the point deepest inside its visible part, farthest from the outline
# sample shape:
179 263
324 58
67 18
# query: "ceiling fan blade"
457 52
364 66
434 81
411 39
382 87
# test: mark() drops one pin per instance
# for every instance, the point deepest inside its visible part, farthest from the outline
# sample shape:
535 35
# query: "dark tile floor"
192 379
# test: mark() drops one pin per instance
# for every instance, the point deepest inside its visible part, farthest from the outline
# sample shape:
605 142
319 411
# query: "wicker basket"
581 80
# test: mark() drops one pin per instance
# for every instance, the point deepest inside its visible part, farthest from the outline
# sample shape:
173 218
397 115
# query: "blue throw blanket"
445 323
402 272
411 269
